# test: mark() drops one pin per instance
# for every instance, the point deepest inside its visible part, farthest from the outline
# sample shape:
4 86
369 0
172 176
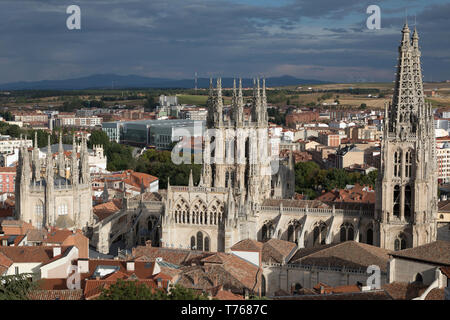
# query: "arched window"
408 202
39 209
291 233
323 233
182 212
397 163
400 242
62 209
199 241
193 243
350 234
369 239
206 243
397 201
264 232
316 234
320 233
408 164
343 234
347 233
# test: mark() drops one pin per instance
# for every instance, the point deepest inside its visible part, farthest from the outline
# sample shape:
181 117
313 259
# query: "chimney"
56 251
130 265
83 265
322 290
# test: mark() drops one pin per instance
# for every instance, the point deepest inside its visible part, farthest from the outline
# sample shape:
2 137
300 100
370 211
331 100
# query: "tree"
177 292
151 102
135 290
16 287
159 164
98 137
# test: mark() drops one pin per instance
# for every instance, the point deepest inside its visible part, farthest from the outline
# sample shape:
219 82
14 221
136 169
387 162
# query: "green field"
191 99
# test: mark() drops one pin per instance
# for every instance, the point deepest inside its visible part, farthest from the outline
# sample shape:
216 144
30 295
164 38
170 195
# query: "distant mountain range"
113 81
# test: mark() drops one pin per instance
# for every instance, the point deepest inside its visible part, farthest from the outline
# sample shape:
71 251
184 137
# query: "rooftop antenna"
196 81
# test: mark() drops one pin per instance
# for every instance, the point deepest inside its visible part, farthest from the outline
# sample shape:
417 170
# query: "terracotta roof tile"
56 295
436 294
403 290
437 252
248 245
275 250
349 254
31 254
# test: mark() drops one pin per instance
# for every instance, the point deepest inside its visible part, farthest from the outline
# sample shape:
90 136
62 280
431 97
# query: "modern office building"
158 133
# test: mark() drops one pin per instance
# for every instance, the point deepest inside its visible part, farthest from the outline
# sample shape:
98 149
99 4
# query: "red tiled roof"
437 252
227 295
276 250
436 294
248 245
26 254
56 295
403 290
106 209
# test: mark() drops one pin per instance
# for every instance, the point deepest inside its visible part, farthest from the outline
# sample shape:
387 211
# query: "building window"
397 201
408 164
397 163
347 232
408 202
39 209
206 243
17 270
199 241
193 243
62 209
369 239
400 242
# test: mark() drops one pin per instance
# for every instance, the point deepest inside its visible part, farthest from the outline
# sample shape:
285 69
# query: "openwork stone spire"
408 104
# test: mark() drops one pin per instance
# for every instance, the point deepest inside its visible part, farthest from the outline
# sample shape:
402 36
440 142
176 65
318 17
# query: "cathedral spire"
240 105
61 160
35 140
408 102
218 114
74 162
36 160
210 105
191 179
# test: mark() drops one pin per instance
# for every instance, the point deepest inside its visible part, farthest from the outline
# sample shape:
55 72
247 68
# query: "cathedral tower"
406 205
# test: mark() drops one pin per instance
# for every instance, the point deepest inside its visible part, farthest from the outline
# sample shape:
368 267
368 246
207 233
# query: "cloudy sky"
312 39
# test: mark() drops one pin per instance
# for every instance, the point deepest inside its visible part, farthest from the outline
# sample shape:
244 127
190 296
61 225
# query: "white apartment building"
78 121
443 159
8 144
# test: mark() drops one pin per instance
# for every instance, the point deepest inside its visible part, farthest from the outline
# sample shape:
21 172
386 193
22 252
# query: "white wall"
252 257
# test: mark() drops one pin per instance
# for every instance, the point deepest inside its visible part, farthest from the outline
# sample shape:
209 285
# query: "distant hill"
109 81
